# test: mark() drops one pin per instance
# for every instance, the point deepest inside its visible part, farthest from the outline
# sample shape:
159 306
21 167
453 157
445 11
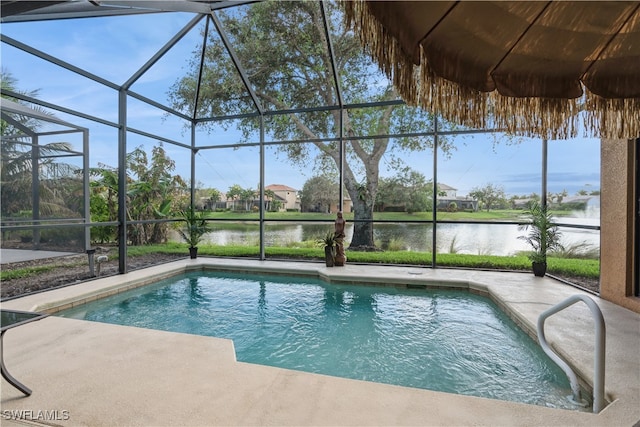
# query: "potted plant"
195 227
543 236
329 244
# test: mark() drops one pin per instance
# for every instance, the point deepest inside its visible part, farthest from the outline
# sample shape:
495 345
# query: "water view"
476 239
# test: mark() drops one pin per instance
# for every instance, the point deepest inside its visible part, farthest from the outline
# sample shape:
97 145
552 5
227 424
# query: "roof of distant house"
445 187
279 187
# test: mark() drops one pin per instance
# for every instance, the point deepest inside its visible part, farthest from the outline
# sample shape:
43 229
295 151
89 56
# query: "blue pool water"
444 340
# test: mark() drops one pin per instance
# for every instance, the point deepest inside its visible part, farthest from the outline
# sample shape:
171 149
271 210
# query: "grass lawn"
578 267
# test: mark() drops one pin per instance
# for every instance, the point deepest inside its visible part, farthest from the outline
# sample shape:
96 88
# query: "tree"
10 83
103 198
238 194
215 196
409 189
200 196
270 203
318 193
59 182
543 235
248 195
283 47
418 191
557 197
389 194
153 192
488 195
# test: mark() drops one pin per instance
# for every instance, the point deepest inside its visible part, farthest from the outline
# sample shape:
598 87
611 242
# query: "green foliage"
165 248
453 245
318 193
271 204
329 239
572 206
307 244
153 192
23 273
275 206
195 227
102 204
571 267
103 197
215 195
543 234
581 250
408 189
391 244
484 261
589 268
489 196
60 183
242 197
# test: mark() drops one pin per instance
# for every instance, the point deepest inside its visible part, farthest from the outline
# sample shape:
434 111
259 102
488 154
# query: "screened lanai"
26 141
270 117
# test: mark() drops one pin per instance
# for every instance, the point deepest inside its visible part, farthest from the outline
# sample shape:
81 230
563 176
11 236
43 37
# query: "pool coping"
521 295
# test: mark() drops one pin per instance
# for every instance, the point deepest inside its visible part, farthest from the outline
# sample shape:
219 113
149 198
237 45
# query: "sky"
115 48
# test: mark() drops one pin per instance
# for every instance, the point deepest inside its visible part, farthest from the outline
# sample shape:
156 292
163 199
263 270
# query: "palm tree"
270 197
17 164
543 236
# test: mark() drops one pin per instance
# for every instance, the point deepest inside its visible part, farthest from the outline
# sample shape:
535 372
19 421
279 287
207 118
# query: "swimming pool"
438 339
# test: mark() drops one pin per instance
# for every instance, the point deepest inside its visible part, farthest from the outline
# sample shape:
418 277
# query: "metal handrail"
599 357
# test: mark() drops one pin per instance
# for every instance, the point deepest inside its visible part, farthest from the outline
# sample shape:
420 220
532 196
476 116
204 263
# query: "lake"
477 239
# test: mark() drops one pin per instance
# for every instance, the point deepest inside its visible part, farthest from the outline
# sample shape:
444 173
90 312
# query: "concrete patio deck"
18 255
91 374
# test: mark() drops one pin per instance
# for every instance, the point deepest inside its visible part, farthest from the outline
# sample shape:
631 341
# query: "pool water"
444 340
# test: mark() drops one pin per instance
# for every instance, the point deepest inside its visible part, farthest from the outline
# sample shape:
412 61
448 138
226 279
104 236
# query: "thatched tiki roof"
528 67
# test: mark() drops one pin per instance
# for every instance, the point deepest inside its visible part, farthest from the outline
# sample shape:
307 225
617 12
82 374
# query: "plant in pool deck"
195 227
329 243
543 236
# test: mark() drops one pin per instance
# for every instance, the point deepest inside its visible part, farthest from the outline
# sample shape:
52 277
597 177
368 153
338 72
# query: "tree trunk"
362 225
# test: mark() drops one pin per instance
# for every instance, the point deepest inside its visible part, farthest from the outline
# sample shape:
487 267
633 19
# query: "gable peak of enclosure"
228 60
530 66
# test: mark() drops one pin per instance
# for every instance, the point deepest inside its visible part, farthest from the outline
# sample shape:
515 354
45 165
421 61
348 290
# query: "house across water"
448 200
